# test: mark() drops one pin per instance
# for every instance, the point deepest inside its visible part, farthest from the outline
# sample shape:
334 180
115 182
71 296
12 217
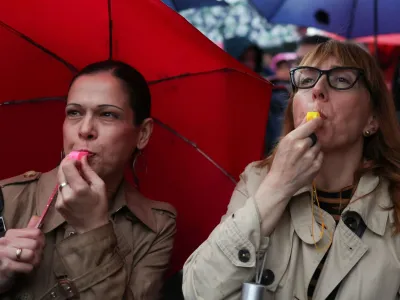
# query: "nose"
320 90
87 130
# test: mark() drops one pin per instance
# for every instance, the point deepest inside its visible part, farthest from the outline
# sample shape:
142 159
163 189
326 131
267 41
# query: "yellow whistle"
312 115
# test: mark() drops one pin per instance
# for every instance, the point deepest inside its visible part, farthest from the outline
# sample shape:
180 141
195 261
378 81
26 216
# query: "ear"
372 125
146 129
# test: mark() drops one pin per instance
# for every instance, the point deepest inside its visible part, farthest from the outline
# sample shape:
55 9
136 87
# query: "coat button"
244 255
267 277
351 223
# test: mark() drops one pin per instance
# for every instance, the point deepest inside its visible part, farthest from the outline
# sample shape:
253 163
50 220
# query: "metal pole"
376 28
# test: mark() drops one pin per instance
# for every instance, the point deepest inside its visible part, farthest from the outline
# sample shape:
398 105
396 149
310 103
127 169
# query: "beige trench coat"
125 259
369 268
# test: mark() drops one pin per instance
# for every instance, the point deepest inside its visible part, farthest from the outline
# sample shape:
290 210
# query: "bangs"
347 54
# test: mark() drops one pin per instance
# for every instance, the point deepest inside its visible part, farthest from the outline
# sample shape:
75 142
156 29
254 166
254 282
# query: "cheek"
300 107
121 139
347 108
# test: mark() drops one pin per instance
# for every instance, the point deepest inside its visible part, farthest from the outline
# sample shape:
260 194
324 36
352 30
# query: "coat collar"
127 196
371 201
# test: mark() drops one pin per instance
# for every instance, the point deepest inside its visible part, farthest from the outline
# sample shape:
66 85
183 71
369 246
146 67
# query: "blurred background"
254 31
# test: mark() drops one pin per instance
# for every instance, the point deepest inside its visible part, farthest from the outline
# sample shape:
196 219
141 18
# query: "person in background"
308 43
322 213
282 89
245 52
267 60
101 239
280 64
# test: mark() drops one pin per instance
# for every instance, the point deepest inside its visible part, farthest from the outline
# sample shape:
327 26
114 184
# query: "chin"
325 142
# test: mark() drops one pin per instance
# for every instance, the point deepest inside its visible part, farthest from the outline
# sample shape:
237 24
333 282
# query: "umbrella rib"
273 14
175 4
37 45
194 145
352 15
202 73
33 100
110 31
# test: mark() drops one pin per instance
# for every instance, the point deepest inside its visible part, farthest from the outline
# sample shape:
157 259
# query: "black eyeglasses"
339 78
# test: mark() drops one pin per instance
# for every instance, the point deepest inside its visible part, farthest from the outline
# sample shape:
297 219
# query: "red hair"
382 149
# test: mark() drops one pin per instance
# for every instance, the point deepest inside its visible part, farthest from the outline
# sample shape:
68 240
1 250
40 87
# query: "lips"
321 114
90 153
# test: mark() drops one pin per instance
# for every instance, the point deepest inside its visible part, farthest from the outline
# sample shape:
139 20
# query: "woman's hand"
83 201
295 165
296 161
20 252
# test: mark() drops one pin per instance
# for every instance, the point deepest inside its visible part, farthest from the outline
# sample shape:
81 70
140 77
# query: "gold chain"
314 195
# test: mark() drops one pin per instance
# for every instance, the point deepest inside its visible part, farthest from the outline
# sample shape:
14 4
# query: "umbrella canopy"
210 110
348 18
239 19
185 4
384 39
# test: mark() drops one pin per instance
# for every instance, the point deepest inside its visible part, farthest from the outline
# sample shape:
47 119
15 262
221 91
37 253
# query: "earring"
136 155
367 133
62 156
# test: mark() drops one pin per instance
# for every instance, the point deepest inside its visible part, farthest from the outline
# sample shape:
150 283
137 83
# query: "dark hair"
313 40
132 80
258 57
281 64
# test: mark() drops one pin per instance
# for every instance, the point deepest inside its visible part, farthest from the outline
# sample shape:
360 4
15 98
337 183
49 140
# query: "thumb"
33 222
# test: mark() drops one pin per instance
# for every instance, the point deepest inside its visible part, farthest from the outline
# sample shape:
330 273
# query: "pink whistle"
77 155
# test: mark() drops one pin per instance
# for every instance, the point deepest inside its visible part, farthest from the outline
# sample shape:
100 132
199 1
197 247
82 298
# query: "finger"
29 233
70 174
318 161
313 152
63 199
27 255
303 122
307 128
33 222
9 266
301 147
24 243
89 173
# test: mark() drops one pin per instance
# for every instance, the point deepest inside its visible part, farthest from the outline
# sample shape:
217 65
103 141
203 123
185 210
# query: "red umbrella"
383 39
211 110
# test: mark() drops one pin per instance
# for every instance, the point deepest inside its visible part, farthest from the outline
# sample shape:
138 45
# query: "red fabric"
383 39
223 109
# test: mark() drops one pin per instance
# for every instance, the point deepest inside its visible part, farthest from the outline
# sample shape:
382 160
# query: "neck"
338 168
112 184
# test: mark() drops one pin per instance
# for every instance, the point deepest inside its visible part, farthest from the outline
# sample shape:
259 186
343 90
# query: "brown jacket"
125 259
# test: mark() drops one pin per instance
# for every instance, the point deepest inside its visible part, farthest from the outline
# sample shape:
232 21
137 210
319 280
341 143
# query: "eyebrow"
99 106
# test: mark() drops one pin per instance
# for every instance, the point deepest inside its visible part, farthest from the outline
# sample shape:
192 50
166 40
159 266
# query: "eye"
73 113
342 79
108 114
306 80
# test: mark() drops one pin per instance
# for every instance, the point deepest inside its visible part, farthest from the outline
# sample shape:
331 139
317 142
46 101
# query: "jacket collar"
371 201
126 196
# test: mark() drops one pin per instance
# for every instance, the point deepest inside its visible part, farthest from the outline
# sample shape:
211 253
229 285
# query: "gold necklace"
314 195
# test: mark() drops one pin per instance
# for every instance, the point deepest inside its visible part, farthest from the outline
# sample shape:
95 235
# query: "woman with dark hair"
320 217
101 239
